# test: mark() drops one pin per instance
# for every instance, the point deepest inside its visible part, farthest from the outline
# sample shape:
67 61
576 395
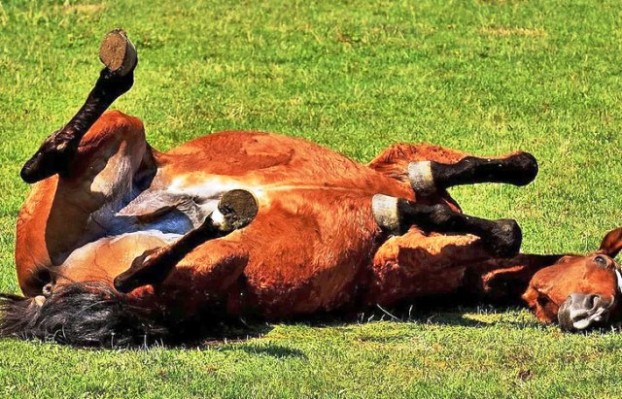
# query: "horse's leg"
99 159
63 213
427 177
417 265
58 150
432 169
502 237
235 210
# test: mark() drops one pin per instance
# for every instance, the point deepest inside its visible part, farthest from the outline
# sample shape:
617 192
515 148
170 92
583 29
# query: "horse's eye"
601 261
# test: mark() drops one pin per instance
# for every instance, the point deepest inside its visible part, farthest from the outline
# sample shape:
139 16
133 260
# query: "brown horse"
117 241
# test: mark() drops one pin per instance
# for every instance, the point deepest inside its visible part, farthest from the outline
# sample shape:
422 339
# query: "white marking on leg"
219 220
384 209
39 300
421 178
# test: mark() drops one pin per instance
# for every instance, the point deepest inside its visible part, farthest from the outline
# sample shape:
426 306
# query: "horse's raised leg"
428 177
502 237
100 159
58 150
236 209
63 213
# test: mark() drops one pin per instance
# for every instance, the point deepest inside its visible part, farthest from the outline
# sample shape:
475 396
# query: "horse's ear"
612 243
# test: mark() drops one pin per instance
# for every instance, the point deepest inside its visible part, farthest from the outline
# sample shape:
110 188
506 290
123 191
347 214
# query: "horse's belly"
308 254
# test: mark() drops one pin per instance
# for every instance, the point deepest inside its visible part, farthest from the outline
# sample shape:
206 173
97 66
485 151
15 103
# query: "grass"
487 76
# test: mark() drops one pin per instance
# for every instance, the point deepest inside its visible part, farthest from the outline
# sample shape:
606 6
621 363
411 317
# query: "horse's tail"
83 314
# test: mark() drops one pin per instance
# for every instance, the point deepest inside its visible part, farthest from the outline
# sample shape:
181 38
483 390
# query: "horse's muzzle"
582 311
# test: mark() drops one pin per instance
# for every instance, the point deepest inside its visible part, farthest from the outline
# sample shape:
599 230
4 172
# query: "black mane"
85 314
93 314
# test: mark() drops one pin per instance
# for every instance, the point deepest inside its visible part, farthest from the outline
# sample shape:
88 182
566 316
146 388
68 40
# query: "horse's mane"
93 314
83 314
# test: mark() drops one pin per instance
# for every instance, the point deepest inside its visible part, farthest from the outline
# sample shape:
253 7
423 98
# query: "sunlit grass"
482 76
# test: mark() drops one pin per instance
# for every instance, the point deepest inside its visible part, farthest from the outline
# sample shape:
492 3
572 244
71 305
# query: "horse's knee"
398 156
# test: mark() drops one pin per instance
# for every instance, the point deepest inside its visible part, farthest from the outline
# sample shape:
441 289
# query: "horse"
118 243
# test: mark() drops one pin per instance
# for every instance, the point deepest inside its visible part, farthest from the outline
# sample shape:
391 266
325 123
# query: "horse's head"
580 291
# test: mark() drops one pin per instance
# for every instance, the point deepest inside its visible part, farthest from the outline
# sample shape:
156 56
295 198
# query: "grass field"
483 76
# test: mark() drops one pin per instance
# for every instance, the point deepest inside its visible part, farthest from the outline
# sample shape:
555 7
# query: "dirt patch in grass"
81 9
505 31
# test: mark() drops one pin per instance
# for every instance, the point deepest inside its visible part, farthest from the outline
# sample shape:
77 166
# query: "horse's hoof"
506 238
118 53
522 168
236 209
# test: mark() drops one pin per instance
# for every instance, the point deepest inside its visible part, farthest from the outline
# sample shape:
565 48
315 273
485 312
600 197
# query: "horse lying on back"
117 241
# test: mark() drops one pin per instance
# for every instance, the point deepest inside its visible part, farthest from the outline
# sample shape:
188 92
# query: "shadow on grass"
272 350
420 312
211 329
433 311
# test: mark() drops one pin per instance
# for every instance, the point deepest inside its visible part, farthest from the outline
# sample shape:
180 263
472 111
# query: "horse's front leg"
502 237
416 265
236 209
429 177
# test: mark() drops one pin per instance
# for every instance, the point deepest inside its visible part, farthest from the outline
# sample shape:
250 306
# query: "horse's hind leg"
63 213
58 150
100 158
428 177
501 237
432 169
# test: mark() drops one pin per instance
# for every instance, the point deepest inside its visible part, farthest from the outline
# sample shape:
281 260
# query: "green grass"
482 76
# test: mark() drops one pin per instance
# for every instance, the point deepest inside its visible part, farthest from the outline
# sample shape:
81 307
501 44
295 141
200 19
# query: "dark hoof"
506 238
522 168
118 53
238 208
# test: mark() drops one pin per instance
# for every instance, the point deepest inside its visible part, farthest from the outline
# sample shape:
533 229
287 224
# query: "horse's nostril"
582 311
592 301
